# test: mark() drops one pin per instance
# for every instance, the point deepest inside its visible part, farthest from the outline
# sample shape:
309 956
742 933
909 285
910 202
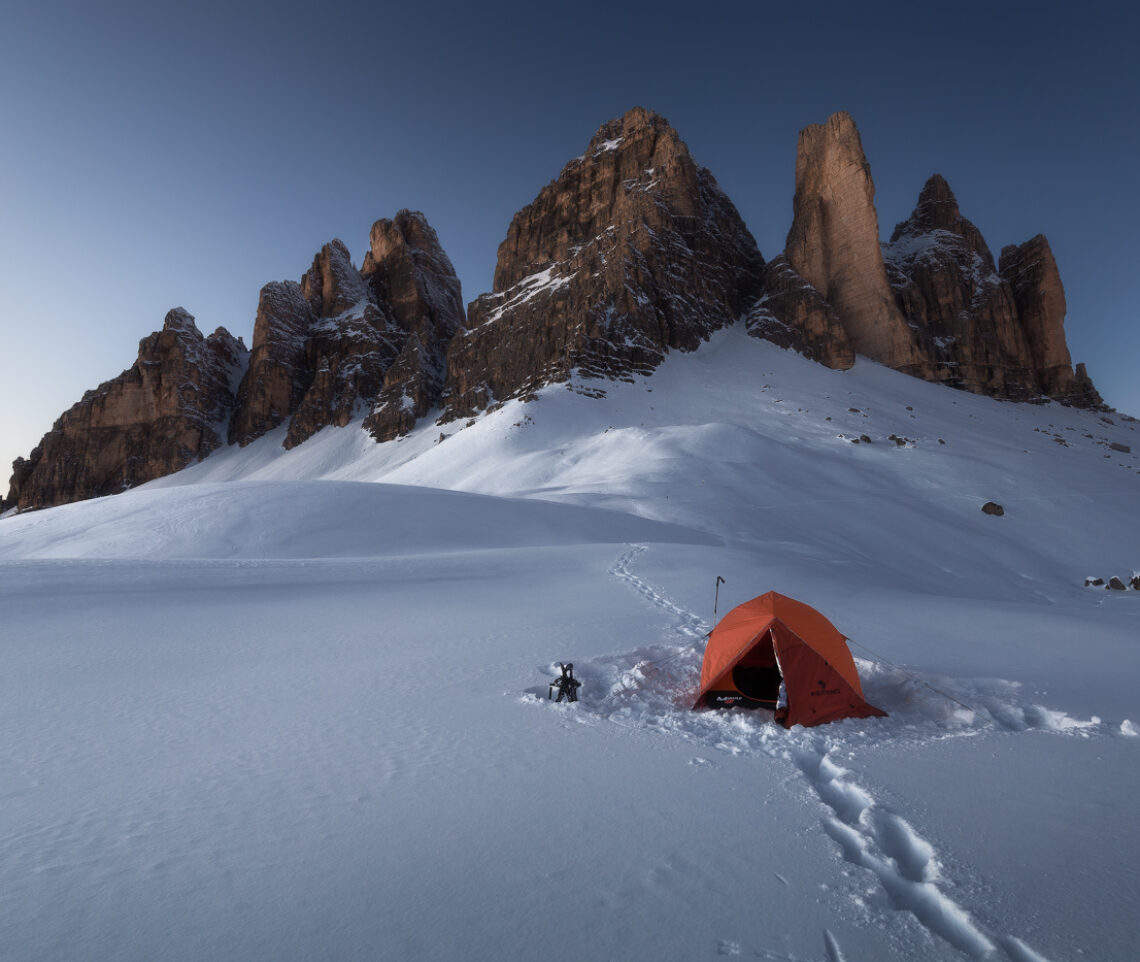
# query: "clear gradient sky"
157 155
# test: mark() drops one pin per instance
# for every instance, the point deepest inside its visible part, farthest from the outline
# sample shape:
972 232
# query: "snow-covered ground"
292 705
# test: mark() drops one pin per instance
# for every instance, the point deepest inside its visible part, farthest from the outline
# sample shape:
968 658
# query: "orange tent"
774 639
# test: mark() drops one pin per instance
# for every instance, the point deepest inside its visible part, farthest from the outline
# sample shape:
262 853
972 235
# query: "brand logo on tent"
824 690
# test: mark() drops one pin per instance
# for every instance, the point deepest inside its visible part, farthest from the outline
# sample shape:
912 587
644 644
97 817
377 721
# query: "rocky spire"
962 312
277 376
1032 273
988 330
937 210
410 272
834 242
344 342
320 350
931 302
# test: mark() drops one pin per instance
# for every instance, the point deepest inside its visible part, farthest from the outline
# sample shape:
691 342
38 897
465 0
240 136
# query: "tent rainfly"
771 640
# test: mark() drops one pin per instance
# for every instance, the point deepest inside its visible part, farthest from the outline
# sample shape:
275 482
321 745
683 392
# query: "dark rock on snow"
634 250
166 411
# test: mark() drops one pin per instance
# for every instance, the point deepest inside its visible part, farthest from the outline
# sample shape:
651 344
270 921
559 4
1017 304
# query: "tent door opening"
757 677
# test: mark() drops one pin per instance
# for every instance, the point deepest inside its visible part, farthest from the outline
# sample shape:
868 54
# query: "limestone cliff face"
632 251
1036 284
277 375
409 271
338 344
833 243
320 349
344 342
168 410
931 302
989 329
352 339
948 287
795 315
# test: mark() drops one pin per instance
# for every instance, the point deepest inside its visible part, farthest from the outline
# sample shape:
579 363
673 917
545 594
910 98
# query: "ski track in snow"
642 691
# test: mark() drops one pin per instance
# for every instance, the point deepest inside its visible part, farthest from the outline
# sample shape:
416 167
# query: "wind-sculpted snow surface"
292 704
313 519
653 687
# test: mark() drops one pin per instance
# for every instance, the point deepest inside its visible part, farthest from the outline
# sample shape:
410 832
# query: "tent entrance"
757 676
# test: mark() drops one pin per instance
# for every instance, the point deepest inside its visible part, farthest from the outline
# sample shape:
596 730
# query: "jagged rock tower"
344 342
167 410
834 243
633 250
929 303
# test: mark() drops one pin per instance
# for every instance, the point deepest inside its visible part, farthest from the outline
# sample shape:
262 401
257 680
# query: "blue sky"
158 156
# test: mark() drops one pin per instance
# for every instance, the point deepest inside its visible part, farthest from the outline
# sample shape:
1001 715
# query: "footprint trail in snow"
653 687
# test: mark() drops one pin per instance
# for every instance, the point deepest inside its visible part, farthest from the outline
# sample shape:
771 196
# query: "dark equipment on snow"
567 685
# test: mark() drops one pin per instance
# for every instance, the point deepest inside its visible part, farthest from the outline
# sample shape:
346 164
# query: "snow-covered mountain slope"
291 705
262 520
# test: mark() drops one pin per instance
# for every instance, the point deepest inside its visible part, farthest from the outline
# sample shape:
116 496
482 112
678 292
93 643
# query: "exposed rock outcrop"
344 342
834 243
931 302
320 350
1036 283
793 314
169 409
410 272
632 251
948 287
352 340
277 376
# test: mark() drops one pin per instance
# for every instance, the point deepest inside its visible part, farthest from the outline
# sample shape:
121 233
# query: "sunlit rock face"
631 252
634 250
931 302
833 243
166 411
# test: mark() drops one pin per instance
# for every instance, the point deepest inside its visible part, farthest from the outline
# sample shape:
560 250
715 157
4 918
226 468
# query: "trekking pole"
716 598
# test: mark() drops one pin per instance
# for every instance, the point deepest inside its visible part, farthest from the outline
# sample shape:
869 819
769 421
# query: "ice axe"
716 598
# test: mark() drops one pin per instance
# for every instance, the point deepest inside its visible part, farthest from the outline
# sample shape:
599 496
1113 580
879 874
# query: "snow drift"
289 705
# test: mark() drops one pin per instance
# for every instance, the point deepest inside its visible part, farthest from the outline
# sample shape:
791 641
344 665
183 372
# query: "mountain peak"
937 209
633 121
834 242
634 250
179 319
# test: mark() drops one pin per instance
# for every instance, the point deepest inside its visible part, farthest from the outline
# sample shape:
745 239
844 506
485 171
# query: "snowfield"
292 705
